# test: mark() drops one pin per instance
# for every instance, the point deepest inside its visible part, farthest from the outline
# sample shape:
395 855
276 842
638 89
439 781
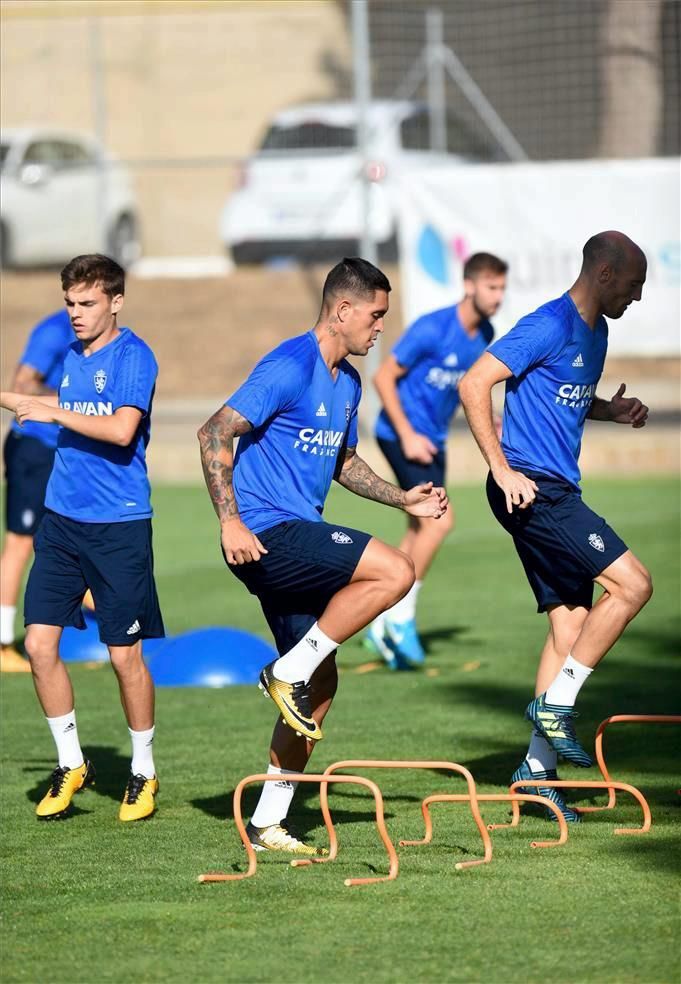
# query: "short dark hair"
483 263
94 268
355 276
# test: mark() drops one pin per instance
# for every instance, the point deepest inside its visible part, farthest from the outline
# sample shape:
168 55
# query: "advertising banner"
537 217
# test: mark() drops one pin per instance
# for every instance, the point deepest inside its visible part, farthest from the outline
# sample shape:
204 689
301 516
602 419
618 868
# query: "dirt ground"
208 333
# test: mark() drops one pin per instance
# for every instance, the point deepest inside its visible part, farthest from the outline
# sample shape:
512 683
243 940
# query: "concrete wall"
181 80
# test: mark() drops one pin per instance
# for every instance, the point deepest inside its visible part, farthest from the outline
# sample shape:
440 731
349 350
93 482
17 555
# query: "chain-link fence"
183 93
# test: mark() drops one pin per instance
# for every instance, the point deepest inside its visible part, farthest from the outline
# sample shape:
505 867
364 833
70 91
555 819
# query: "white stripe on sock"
275 798
143 753
65 733
300 662
565 688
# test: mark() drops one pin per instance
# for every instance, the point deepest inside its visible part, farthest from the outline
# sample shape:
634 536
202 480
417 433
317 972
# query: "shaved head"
612 276
609 248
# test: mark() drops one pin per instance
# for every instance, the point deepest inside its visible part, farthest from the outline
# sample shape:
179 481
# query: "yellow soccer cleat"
65 783
12 661
139 800
293 700
278 837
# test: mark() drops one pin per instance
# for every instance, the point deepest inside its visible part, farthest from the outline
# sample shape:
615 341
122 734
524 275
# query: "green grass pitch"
88 899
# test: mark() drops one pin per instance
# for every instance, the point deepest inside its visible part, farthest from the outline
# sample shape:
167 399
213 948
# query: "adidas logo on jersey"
66 381
135 627
578 362
321 410
452 360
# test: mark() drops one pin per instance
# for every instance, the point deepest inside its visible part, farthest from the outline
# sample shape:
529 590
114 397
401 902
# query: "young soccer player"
96 531
418 385
318 583
552 361
29 454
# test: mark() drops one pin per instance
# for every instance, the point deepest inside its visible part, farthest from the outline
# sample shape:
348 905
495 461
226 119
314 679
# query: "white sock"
275 798
7 616
540 755
378 624
65 734
405 610
564 689
142 753
300 662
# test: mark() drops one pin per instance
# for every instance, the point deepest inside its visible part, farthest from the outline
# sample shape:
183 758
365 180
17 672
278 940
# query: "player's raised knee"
641 588
400 573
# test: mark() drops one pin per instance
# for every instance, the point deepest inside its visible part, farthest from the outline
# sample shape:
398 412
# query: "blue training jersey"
556 360
436 351
94 481
302 420
45 351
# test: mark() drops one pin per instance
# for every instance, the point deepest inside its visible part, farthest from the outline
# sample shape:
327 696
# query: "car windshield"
311 135
4 150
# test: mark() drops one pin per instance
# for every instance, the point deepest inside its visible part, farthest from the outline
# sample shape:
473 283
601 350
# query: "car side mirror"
36 174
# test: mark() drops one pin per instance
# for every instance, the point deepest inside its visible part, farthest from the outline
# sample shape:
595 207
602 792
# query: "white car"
300 193
61 194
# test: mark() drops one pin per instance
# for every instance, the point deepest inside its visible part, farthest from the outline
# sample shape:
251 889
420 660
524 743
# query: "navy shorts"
114 560
307 564
411 473
563 545
28 464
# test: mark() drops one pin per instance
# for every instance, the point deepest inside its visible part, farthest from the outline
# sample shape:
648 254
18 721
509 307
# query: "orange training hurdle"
514 798
583 784
323 780
471 798
600 757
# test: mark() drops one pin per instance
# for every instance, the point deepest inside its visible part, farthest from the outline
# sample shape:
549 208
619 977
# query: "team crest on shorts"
339 537
100 380
596 542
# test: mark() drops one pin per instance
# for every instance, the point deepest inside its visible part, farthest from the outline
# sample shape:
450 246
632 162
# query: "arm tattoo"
216 439
356 476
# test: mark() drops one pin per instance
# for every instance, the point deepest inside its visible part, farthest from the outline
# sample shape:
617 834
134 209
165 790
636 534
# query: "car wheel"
124 243
5 251
388 251
245 254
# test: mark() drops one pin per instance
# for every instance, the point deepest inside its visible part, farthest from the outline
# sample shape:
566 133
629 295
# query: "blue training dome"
83 645
216 656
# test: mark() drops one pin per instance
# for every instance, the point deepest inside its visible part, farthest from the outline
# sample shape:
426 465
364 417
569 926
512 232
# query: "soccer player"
318 583
418 385
96 531
552 361
28 453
